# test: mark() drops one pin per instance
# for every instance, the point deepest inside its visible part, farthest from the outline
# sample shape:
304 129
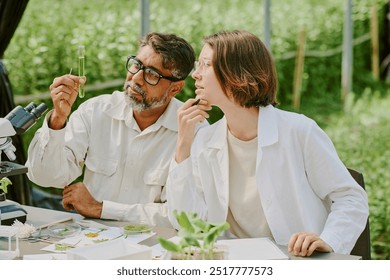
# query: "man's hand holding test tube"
64 91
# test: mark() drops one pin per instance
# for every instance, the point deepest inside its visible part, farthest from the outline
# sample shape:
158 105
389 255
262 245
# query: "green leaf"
4 183
213 234
200 225
169 245
189 241
184 221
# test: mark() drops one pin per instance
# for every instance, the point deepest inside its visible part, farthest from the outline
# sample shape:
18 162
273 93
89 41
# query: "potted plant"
197 239
4 183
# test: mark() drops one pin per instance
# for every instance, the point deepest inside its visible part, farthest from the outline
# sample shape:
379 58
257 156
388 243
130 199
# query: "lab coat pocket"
155 177
106 167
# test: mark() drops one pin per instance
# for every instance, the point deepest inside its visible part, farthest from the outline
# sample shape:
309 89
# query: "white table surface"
40 216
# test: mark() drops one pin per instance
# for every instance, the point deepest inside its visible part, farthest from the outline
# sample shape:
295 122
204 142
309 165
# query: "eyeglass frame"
143 67
201 64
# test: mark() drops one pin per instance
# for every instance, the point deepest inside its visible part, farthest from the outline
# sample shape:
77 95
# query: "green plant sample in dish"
64 230
135 229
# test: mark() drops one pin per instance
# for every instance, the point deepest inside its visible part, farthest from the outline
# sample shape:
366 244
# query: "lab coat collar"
169 117
120 110
267 129
218 139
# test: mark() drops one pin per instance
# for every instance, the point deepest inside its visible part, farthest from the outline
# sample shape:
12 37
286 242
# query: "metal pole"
347 65
267 23
374 42
144 17
298 71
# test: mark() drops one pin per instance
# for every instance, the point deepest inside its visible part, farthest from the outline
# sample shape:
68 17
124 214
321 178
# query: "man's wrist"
99 209
55 122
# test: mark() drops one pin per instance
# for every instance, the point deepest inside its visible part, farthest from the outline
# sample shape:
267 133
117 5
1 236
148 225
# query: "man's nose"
137 77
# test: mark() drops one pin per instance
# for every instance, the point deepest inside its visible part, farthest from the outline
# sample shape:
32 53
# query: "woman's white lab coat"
302 183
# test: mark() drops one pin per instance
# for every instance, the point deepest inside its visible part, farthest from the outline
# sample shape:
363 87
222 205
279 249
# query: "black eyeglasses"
151 76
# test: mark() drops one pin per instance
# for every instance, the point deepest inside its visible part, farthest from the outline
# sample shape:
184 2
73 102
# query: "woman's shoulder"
290 116
293 120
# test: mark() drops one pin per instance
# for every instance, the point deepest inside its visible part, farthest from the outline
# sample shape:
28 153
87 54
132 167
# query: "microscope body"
16 122
8 168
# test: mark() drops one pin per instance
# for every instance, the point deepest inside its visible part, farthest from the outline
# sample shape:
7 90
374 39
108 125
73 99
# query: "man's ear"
176 88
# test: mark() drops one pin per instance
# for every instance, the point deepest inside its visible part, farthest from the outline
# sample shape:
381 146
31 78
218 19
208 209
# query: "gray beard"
144 103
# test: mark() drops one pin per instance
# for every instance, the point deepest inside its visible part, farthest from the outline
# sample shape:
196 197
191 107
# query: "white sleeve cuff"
113 210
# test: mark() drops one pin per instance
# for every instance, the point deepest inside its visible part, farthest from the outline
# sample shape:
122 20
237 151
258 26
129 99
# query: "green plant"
196 235
4 183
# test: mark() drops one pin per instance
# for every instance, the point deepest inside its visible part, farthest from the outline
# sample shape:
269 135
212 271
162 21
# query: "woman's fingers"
305 243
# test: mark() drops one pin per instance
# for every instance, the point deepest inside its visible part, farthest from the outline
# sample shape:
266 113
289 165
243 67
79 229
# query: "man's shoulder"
177 103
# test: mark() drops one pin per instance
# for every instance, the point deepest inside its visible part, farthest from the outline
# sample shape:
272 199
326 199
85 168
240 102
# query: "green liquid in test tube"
81 69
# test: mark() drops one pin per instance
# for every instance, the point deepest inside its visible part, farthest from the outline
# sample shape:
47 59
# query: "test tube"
81 52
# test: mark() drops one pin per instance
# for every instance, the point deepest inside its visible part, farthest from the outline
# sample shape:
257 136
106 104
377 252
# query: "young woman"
268 172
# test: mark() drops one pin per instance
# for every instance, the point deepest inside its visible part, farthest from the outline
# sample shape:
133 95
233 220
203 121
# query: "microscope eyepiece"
30 107
39 110
23 118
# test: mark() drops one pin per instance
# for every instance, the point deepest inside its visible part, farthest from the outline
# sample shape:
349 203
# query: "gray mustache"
136 88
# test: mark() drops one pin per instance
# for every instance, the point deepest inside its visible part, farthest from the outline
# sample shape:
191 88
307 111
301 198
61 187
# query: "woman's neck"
242 122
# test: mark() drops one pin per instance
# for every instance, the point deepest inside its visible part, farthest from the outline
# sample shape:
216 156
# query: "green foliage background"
45 43
362 139
45 46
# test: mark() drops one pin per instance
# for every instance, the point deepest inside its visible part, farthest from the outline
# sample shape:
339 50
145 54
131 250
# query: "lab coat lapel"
267 136
267 131
219 163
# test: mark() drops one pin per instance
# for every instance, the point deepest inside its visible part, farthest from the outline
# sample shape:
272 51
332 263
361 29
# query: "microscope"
18 121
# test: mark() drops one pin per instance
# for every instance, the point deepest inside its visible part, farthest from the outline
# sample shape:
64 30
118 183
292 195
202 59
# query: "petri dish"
131 229
64 230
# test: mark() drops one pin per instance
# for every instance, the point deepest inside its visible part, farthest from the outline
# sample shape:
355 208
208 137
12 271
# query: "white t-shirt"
245 215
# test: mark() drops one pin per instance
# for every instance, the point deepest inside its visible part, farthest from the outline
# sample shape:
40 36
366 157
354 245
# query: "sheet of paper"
90 224
91 236
253 249
40 216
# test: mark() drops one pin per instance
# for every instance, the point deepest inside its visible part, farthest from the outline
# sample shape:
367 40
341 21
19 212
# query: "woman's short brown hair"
244 68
